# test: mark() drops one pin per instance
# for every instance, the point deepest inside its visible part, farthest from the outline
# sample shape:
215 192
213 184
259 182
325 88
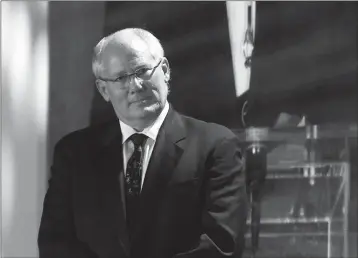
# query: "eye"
121 78
142 71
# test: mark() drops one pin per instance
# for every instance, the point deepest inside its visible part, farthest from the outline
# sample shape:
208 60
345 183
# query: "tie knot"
138 139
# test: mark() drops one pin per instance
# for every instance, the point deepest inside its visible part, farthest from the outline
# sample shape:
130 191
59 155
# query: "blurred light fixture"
248 44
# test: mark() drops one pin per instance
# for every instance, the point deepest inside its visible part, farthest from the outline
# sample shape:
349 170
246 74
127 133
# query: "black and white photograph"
179 129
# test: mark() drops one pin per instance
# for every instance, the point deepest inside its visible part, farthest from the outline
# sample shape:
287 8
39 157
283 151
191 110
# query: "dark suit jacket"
192 204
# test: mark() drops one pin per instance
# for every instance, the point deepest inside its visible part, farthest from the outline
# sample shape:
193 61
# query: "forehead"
124 56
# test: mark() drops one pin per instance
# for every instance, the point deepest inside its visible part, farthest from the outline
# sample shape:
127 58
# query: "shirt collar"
151 131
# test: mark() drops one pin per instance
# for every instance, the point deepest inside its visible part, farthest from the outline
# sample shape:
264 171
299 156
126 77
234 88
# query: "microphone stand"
256 171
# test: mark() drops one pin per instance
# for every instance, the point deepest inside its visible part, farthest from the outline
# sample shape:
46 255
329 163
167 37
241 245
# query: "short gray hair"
154 45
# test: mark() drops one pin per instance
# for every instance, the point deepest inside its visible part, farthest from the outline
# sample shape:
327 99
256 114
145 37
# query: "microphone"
256 171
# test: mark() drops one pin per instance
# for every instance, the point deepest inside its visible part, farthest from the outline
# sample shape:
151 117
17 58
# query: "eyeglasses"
141 73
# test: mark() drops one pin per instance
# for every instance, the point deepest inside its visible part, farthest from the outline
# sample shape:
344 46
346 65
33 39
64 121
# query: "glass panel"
298 181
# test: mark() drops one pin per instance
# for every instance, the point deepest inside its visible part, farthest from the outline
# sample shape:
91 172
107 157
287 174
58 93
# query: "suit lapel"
111 190
164 158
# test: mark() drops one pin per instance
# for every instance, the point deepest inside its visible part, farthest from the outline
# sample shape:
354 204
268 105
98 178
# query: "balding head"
135 38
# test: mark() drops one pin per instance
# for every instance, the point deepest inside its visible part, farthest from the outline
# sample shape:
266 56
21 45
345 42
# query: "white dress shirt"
151 132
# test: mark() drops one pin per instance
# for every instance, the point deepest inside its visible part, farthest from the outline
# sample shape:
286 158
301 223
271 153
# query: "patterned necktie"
134 178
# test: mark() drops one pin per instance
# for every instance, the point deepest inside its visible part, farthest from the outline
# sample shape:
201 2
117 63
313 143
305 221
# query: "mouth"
142 100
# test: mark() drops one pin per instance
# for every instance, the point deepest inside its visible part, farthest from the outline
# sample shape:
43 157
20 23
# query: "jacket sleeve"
225 210
57 237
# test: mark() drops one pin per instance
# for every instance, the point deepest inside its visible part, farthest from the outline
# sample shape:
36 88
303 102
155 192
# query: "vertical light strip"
25 90
237 12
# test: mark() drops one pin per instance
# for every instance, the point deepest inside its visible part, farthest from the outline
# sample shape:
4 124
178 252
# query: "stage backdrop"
305 61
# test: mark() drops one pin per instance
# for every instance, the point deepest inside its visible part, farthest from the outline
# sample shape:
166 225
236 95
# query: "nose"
135 84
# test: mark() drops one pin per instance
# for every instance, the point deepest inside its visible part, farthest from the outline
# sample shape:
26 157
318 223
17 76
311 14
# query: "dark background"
305 59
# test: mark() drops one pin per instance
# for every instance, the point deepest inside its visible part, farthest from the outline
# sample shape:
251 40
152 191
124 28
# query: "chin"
146 111
155 107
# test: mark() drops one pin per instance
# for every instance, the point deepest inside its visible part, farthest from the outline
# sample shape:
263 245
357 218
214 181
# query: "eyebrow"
119 74
140 66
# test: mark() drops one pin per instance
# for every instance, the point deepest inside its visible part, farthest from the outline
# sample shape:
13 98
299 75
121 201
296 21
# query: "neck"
140 127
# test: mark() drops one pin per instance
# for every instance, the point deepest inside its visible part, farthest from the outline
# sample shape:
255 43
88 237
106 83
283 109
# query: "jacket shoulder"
85 137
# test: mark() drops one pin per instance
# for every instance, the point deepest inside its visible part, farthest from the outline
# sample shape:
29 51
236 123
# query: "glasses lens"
145 74
123 80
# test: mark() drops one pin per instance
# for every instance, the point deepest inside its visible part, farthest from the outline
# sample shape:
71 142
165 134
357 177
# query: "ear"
102 89
166 69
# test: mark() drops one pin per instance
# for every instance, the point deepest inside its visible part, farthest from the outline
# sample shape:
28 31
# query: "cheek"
159 89
163 89
118 97
115 93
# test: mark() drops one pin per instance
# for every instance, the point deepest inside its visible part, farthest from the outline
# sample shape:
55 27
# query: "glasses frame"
119 78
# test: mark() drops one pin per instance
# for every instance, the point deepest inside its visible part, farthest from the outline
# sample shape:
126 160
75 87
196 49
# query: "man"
155 184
